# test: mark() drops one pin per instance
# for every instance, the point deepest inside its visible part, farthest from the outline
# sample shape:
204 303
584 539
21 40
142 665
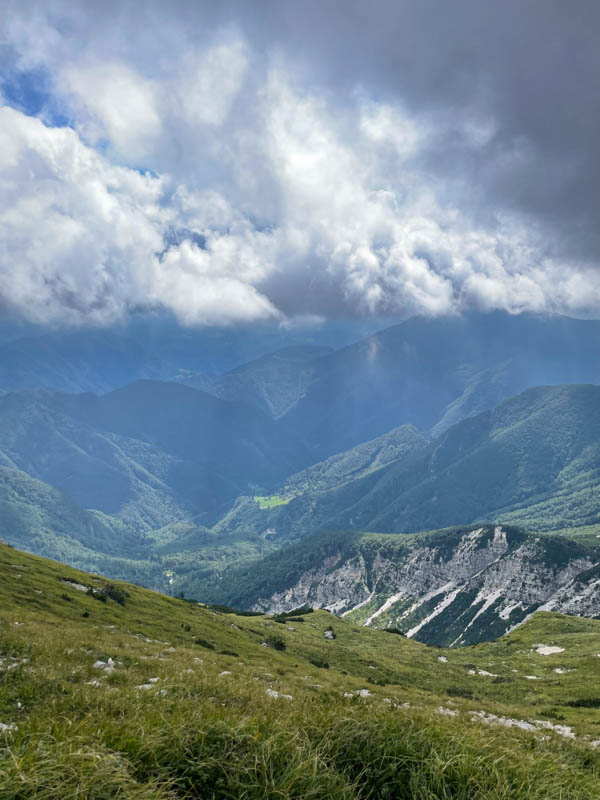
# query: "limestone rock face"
460 590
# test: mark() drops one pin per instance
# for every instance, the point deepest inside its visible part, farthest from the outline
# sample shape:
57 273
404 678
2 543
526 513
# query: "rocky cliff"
450 588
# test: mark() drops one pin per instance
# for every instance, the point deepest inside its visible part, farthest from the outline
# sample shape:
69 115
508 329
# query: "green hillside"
324 476
41 519
108 690
532 461
150 453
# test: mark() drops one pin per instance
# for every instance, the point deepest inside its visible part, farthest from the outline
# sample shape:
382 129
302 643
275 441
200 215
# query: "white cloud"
293 201
203 287
112 102
81 237
209 82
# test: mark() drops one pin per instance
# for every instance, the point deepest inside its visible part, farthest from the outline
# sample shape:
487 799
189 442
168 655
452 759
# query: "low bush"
204 643
276 642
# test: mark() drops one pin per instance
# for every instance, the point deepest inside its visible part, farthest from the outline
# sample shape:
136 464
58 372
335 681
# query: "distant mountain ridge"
432 373
275 382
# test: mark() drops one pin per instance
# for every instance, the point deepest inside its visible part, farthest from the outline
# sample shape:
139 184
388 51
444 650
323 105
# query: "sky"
239 162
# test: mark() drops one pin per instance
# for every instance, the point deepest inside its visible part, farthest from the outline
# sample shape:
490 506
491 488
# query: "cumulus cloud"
112 103
212 167
83 240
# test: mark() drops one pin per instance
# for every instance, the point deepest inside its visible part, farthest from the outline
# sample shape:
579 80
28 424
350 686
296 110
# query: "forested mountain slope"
150 452
535 460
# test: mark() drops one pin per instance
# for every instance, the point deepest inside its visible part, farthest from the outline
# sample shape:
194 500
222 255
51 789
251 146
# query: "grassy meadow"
108 690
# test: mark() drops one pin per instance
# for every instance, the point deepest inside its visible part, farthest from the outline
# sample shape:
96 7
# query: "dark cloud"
531 65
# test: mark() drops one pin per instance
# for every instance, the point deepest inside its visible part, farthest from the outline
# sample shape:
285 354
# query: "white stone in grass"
7 727
225 672
161 693
562 730
80 587
531 677
443 659
364 693
395 704
153 680
278 695
99 664
329 635
484 673
507 722
548 650
145 686
93 683
449 712
562 671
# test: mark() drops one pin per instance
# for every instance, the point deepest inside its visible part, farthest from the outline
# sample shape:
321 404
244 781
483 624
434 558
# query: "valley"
299 400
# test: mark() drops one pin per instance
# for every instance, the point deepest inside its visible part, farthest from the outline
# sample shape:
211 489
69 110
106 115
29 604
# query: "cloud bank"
230 166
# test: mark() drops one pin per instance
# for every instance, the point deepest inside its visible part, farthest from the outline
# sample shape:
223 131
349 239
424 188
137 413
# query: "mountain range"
181 484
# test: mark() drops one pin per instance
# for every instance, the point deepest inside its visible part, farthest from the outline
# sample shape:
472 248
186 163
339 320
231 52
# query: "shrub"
115 593
295 612
584 702
458 691
204 643
318 662
276 642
